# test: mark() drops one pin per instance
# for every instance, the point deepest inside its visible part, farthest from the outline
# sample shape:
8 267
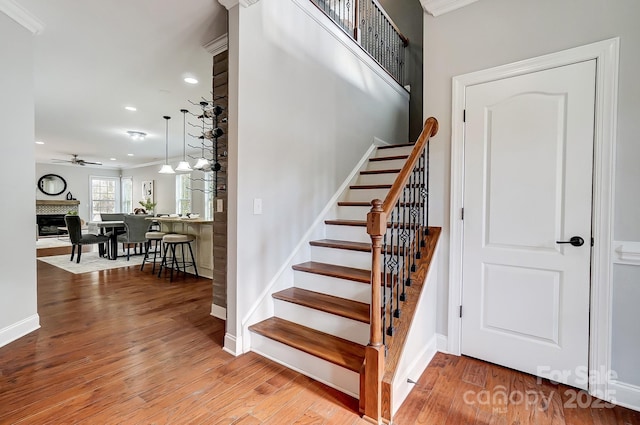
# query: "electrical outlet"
219 205
257 206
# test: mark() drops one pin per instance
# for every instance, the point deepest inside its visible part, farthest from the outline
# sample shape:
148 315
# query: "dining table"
108 226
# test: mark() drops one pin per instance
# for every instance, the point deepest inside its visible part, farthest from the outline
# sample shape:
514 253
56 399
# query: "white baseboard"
442 343
219 312
625 395
19 329
231 345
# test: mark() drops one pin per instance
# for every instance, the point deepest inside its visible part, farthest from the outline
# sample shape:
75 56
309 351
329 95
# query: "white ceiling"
96 57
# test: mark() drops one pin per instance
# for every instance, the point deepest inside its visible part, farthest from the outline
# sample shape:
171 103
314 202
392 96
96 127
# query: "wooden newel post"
374 352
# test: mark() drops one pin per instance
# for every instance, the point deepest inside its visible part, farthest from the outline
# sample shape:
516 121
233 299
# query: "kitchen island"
203 231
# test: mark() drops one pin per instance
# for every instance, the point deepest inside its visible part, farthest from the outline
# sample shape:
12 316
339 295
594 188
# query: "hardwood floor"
123 347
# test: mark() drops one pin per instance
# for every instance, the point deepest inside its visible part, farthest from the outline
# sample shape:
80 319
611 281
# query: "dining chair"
78 239
135 229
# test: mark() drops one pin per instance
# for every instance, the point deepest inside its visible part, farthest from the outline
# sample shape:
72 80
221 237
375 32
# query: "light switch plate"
257 206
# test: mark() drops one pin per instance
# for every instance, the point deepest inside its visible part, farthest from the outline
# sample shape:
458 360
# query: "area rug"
52 243
90 262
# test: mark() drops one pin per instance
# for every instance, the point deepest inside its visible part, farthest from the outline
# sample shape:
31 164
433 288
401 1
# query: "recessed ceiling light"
39 142
136 135
112 159
131 108
129 154
190 80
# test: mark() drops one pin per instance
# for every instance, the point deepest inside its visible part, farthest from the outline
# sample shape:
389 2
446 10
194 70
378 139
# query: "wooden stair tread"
370 186
388 158
348 245
368 204
404 145
388 171
379 186
332 270
340 272
361 223
328 303
327 347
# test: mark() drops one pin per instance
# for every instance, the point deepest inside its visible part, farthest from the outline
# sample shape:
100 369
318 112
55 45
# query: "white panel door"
527 186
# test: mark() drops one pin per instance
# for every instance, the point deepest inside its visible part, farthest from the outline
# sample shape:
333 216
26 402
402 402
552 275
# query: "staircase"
321 325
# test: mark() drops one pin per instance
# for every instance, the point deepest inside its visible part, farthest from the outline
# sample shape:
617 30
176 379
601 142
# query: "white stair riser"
337 377
354 234
341 288
347 233
341 257
331 324
402 150
386 165
352 213
344 257
385 178
365 195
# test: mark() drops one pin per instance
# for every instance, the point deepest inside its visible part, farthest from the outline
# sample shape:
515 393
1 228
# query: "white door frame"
606 54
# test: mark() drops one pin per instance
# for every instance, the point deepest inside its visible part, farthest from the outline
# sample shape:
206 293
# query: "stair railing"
398 228
367 23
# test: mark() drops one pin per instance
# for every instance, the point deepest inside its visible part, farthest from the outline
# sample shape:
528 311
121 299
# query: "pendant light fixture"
184 165
166 168
202 163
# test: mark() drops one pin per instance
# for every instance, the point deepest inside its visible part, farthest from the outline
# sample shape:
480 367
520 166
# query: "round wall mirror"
52 184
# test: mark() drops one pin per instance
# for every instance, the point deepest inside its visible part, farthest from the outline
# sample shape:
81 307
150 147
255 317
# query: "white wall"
18 298
489 33
307 109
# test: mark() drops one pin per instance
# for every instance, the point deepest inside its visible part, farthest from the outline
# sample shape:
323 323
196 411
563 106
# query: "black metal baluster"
405 241
385 282
414 220
418 207
393 265
423 196
426 190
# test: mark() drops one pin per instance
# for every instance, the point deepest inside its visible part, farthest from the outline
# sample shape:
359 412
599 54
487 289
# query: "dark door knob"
575 241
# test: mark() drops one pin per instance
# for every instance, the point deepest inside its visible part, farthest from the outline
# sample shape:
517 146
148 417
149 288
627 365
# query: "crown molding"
230 4
440 7
22 16
218 45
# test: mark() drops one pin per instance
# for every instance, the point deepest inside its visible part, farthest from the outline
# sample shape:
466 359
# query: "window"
105 195
126 203
209 195
183 194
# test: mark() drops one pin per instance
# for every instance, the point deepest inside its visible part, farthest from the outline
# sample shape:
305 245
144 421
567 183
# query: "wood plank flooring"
123 347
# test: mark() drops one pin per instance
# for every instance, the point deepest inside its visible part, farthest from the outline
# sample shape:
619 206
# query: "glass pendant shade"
184 165
201 163
166 168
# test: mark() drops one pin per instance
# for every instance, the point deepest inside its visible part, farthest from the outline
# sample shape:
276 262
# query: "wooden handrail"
429 130
377 220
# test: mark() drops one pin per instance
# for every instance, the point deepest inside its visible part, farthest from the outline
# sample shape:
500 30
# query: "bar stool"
156 238
170 241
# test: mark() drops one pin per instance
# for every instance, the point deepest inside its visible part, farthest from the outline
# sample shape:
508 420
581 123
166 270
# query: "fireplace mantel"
56 206
56 202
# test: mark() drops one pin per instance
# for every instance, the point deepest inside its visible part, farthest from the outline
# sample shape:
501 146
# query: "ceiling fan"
77 161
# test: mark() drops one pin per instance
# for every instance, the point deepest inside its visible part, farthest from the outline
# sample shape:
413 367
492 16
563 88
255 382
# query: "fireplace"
48 224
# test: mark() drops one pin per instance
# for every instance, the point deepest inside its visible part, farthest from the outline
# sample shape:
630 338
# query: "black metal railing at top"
367 23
